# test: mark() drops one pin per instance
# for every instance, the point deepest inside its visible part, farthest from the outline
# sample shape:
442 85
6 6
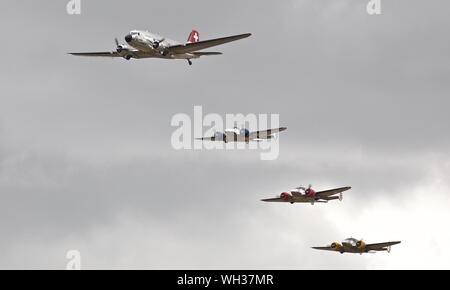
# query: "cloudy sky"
86 161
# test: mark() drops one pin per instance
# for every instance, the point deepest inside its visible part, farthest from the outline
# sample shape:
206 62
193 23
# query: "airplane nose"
128 38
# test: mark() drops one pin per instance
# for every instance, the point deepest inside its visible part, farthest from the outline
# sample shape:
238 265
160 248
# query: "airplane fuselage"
234 135
154 45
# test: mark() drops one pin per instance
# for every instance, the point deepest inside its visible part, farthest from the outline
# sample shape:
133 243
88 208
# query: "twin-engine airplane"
243 135
309 195
144 44
352 245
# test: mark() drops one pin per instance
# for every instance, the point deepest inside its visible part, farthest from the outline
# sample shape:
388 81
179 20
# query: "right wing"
380 246
264 134
196 46
330 192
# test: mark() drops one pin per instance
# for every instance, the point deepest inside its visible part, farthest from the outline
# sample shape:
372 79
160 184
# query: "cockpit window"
350 241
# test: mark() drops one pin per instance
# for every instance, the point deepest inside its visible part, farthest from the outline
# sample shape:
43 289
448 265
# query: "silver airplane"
144 44
243 135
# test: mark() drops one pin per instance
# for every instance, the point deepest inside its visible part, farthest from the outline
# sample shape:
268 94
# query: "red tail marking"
193 37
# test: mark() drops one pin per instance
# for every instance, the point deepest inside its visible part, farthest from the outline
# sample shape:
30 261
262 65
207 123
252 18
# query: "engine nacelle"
219 136
336 246
285 196
245 132
310 192
161 47
121 48
361 245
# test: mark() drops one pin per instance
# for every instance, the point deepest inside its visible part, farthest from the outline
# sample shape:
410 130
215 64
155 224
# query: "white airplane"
243 135
143 44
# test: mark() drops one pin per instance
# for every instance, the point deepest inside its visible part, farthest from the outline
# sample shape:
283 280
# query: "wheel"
189 62
128 57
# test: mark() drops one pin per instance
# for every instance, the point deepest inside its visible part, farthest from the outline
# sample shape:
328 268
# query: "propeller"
156 43
341 196
118 45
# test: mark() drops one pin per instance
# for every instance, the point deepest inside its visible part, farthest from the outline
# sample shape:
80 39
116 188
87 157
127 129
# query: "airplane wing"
330 192
275 199
196 46
294 199
324 248
380 246
207 53
106 54
206 139
265 133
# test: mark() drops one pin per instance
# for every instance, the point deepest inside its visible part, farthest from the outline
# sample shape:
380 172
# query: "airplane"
243 135
352 245
309 195
144 44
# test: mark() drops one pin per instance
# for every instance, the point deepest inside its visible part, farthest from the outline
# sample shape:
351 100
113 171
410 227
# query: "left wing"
324 249
275 199
264 134
196 46
106 53
330 192
380 246
206 139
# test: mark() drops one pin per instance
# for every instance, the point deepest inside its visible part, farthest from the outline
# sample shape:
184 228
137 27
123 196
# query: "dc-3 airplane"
352 245
243 135
309 195
144 44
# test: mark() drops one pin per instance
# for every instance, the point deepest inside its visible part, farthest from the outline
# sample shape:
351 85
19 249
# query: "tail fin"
193 37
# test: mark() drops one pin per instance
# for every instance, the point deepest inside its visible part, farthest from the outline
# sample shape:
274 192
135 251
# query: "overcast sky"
86 161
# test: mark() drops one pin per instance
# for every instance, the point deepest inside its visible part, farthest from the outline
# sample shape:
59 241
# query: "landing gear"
128 57
189 62
292 202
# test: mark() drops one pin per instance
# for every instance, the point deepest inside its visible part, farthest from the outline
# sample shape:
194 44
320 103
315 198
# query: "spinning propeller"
119 46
